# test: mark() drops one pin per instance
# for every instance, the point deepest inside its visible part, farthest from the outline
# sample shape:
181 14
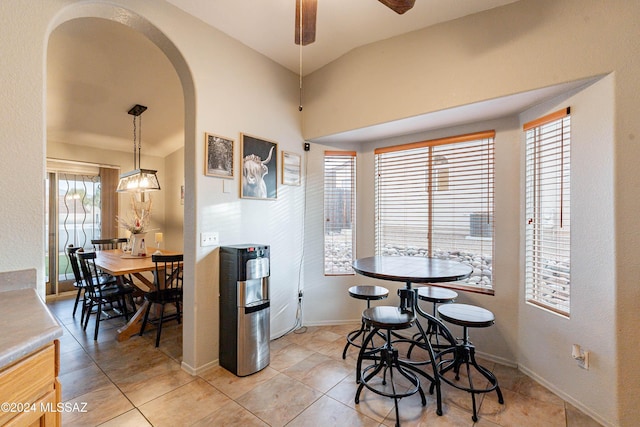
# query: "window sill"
339 274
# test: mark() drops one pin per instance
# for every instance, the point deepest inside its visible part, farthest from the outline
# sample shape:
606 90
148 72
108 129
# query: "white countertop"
26 325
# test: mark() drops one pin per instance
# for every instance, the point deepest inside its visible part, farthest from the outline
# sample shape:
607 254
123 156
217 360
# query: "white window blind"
548 226
339 211
435 199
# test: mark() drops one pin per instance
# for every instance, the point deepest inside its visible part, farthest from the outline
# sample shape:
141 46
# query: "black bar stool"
385 358
467 316
368 293
435 296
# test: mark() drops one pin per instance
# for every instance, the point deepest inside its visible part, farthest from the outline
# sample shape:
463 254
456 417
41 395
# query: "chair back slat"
90 272
75 266
106 244
168 271
168 290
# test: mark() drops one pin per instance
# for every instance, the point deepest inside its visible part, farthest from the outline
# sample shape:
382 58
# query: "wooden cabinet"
30 391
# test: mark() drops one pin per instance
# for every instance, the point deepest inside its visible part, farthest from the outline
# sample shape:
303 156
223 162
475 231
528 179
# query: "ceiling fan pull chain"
300 73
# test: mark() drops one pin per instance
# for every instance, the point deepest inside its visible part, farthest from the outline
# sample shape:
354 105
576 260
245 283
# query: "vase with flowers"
137 223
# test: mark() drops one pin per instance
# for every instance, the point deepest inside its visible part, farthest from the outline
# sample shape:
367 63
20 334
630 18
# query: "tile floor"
306 384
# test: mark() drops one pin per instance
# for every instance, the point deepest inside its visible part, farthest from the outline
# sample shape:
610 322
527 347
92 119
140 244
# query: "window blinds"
548 224
435 198
339 211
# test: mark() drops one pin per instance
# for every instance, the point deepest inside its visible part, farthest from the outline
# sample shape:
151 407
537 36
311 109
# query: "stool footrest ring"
464 355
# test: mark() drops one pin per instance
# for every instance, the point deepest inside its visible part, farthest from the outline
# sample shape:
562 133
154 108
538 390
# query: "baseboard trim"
197 371
585 409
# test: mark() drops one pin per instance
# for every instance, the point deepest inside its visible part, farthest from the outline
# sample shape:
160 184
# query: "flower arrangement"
138 219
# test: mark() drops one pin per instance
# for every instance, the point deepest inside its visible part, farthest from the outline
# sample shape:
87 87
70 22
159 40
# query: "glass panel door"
72 218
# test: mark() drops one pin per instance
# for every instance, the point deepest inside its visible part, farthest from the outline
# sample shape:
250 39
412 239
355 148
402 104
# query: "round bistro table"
410 269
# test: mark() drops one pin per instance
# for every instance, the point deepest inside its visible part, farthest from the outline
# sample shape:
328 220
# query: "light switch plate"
227 186
209 239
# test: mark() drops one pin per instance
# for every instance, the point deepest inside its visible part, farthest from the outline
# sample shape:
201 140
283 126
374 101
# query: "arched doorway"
139 24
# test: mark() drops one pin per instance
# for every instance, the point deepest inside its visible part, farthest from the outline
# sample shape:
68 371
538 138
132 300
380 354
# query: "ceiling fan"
306 17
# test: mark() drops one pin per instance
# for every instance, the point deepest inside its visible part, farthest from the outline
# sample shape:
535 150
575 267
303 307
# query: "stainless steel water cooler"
244 308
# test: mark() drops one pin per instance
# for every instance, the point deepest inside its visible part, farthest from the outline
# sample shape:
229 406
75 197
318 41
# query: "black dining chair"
78 280
79 283
106 244
168 291
113 243
98 296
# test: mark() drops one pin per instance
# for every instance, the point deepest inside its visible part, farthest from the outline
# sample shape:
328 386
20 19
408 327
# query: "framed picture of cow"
259 178
218 156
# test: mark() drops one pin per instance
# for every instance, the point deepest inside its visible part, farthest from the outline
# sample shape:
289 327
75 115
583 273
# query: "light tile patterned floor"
306 384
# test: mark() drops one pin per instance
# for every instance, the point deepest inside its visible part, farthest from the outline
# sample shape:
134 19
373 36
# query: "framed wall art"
291 168
259 178
218 156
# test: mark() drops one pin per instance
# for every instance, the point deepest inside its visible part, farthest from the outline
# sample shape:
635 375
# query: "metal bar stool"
436 296
467 316
385 358
368 293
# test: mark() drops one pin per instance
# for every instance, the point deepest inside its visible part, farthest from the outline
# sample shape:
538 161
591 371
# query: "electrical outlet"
580 355
210 239
583 362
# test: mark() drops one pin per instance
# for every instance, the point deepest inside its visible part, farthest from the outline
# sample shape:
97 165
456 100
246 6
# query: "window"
339 211
435 199
547 244
73 216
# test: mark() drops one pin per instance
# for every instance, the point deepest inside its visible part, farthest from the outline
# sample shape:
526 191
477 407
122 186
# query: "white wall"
241 91
22 149
173 225
546 338
326 298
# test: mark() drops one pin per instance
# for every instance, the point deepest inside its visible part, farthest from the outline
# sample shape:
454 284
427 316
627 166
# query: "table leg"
134 324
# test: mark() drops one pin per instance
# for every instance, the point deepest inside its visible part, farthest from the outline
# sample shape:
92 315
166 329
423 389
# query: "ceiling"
97 69
268 26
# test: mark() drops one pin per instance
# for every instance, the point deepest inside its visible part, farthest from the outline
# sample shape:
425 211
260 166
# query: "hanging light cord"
300 39
135 159
137 136
140 141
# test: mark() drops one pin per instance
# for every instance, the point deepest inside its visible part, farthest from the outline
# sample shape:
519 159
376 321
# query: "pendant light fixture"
138 180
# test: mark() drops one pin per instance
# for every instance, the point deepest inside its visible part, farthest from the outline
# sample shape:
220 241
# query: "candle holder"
159 239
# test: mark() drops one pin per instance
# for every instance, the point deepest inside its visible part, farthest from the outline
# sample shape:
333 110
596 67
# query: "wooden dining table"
120 264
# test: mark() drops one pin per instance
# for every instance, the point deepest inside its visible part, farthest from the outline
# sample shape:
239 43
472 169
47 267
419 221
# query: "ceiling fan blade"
399 6
309 8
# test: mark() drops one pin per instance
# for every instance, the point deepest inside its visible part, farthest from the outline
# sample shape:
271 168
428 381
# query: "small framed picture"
291 167
259 168
218 156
